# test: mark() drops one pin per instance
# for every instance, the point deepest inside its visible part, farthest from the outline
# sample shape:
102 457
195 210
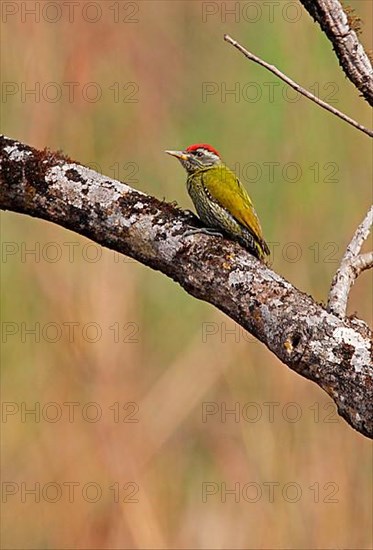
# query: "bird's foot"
204 231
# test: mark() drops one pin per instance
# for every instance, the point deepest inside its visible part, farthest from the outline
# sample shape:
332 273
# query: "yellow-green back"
226 189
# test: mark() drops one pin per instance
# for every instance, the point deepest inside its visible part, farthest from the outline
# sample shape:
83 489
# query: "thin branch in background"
297 87
342 27
353 263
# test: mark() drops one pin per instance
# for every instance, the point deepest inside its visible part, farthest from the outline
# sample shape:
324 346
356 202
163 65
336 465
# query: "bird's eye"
199 153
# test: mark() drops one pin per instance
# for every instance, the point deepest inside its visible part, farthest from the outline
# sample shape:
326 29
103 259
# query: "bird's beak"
178 154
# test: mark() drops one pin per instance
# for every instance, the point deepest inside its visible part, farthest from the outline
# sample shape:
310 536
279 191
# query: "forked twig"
297 87
353 263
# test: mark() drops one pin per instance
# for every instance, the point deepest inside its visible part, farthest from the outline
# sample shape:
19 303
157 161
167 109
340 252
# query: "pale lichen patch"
318 349
71 190
237 277
272 276
361 356
15 154
178 225
95 187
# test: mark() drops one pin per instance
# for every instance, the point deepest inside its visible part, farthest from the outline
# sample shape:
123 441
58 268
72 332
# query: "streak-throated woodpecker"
220 199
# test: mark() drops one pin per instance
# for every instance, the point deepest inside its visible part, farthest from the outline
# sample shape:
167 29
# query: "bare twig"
341 27
351 266
363 262
334 353
297 87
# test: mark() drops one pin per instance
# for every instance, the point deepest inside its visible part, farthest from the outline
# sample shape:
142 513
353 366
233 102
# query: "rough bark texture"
334 353
335 23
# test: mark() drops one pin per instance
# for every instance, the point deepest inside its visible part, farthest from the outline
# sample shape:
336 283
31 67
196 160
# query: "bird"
220 199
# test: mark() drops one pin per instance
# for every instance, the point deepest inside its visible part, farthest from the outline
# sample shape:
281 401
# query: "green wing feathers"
226 189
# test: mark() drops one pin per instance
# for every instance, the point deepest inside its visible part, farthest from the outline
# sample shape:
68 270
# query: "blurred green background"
129 377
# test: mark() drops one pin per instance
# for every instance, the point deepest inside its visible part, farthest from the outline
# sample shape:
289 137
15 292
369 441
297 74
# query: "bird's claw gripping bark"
204 230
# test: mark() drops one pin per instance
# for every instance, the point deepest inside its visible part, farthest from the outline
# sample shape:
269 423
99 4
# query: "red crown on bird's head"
202 146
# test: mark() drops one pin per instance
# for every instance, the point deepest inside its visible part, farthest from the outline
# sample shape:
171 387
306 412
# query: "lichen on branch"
332 352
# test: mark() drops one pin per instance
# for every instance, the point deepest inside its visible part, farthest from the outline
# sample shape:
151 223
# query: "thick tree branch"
334 353
353 263
336 25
